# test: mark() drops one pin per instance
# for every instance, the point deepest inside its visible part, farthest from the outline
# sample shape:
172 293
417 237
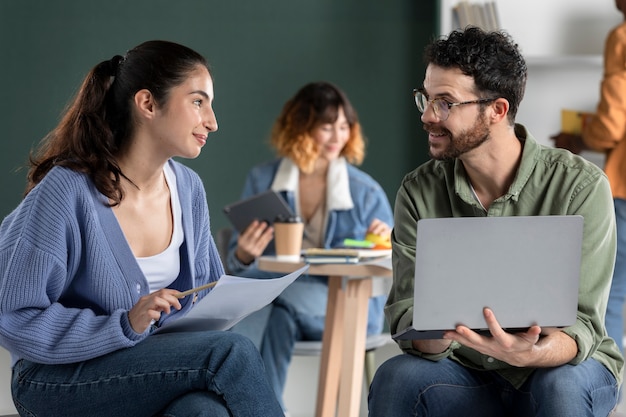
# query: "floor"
301 388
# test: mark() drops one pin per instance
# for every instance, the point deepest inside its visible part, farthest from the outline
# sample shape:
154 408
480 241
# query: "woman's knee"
197 404
218 348
237 343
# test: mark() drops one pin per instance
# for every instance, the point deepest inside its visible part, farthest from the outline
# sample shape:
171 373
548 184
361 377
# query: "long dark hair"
98 123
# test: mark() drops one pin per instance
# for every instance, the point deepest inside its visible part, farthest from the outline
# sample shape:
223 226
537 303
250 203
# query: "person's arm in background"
603 131
606 128
371 204
381 214
244 248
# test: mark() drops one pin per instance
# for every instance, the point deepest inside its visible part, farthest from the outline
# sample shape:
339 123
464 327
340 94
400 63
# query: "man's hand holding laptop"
522 349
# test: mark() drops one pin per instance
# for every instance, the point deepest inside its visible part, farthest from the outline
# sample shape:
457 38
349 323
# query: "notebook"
525 268
266 207
343 255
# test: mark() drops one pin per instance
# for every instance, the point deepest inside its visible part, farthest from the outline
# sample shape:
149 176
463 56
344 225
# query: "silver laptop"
525 268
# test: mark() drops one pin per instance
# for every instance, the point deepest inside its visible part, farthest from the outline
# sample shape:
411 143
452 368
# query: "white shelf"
576 61
545 28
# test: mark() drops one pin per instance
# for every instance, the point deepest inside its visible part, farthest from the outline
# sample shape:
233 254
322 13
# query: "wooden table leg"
332 349
358 292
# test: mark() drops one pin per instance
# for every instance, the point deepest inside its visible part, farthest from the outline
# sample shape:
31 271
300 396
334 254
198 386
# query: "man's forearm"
556 349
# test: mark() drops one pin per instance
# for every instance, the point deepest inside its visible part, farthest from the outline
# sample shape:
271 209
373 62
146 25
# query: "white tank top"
163 268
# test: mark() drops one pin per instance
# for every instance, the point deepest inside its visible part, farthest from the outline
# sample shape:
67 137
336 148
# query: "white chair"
373 342
314 348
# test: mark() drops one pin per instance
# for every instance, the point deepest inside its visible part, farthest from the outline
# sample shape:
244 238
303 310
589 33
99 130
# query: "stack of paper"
341 255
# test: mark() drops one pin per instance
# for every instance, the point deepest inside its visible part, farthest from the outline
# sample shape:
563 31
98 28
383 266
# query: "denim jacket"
354 200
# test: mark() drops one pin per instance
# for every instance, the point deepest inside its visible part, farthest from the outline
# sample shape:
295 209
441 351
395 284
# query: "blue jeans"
217 374
615 309
297 314
407 385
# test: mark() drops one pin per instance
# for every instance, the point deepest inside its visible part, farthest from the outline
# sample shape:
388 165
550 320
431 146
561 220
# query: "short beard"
465 141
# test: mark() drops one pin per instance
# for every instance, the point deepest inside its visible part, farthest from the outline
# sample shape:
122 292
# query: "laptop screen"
525 268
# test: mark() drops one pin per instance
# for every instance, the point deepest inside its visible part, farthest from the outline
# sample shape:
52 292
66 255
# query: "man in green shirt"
483 164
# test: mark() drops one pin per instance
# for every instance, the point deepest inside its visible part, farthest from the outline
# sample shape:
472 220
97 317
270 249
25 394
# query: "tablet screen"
266 206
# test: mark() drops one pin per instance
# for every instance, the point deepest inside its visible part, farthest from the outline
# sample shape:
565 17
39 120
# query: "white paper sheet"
231 300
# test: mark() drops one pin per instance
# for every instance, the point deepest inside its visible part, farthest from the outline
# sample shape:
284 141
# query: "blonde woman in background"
318 140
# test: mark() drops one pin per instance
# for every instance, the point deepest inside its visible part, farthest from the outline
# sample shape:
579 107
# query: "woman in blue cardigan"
318 139
110 231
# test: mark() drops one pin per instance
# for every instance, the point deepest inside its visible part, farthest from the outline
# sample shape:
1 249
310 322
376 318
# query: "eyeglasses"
441 107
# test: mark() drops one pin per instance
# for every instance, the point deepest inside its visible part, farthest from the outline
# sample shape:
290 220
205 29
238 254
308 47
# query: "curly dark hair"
493 59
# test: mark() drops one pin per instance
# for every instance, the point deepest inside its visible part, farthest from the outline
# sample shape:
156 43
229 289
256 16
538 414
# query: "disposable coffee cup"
288 238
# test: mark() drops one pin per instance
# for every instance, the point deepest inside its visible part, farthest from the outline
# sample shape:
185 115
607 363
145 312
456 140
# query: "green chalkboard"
261 52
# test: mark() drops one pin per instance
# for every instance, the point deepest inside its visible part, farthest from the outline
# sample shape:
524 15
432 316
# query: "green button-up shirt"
548 182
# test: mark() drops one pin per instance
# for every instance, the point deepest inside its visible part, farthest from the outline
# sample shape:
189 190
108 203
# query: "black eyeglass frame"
417 91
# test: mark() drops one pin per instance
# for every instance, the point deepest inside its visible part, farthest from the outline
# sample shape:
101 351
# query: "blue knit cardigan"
68 277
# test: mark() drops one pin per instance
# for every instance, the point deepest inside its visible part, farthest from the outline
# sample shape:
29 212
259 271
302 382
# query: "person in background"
109 233
318 140
605 131
484 164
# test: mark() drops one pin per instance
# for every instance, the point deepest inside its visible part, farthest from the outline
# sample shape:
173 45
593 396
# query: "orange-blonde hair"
314 104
